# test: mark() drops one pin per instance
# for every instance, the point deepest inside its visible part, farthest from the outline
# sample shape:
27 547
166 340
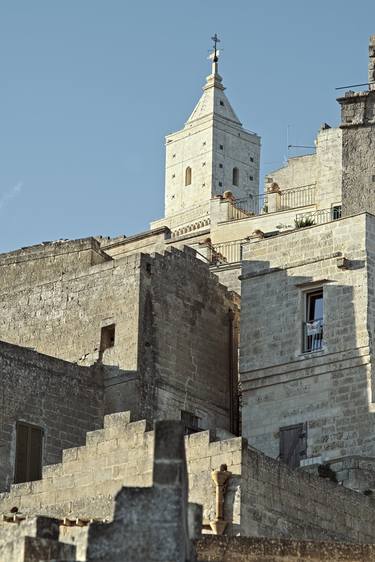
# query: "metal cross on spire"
216 40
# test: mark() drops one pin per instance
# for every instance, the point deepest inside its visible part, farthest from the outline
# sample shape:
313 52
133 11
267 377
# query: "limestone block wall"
329 390
64 317
48 261
64 400
241 549
121 454
358 130
188 356
277 502
264 497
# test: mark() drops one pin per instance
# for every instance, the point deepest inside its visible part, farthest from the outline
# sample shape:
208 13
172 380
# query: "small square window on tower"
251 178
221 147
251 159
222 103
220 165
220 184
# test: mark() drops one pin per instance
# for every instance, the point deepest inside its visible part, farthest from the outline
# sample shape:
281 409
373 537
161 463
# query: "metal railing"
289 199
321 216
227 252
298 197
313 335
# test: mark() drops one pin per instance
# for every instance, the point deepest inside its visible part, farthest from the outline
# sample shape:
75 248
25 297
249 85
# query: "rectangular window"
107 337
313 325
190 421
336 212
29 442
293 444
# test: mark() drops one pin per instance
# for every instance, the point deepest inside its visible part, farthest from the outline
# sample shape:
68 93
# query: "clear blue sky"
89 88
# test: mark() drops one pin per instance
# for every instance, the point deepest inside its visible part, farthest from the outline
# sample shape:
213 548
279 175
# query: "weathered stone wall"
330 390
322 169
65 400
278 502
240 549
264 497
121 454
358 165
188 356
64 317
173 348
48 261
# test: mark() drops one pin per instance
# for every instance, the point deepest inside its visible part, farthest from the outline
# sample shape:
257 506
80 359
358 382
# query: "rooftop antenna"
354 86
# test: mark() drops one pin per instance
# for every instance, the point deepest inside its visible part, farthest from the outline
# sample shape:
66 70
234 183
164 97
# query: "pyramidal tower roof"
213 101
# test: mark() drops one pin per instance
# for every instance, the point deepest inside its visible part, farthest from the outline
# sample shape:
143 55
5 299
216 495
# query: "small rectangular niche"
107 337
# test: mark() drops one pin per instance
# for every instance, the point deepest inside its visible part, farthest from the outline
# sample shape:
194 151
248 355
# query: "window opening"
107 337
313 326
336 212
235 176
190 421
29 441
293 444
188 176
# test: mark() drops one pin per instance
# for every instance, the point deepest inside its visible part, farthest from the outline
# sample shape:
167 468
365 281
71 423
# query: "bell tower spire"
211 154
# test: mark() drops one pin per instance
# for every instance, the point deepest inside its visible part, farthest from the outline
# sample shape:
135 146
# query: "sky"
89 89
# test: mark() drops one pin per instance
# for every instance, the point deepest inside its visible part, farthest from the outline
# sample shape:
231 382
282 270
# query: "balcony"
272 202
313 335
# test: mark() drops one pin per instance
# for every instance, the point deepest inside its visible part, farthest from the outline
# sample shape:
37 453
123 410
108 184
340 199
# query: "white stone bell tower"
213 153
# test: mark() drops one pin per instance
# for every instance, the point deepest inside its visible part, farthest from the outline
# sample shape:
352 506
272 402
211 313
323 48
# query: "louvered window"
29 442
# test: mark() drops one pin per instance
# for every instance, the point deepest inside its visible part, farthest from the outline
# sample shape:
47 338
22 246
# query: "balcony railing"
227 252
287 199
298 197
321 216
313 335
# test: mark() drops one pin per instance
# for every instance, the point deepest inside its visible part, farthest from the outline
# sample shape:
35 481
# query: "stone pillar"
220 478
152 523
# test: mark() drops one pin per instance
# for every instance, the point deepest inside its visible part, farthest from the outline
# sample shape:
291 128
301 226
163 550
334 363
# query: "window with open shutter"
29 442
293 444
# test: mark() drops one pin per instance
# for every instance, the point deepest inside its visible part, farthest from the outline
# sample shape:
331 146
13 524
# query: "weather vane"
216 40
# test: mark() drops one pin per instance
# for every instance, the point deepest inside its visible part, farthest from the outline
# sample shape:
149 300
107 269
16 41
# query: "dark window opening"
293 444
336 212
29 441
373 178
251 178
251 159
107 337
190 421
220 184
188 176
220 165
221 103
221 147
235 176
313 326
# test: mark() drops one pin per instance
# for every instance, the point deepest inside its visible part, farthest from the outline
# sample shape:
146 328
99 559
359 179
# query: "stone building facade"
140 323
168 346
